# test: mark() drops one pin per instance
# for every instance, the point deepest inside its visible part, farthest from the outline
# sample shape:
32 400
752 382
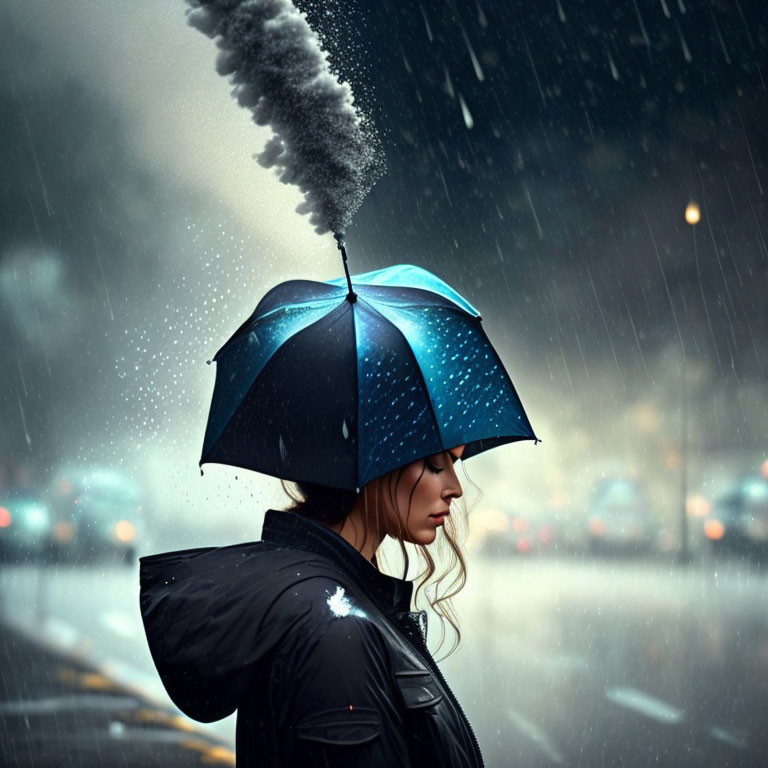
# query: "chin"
425 538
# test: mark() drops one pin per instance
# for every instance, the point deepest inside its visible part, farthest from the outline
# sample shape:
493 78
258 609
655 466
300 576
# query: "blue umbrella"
328 385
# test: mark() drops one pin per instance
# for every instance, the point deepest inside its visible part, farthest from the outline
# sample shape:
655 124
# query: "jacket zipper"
433 664
426 656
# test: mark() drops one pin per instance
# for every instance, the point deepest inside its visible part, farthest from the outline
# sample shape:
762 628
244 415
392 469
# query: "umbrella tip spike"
351 296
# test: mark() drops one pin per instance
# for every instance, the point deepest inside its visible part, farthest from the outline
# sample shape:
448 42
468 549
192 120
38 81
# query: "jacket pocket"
418 688
342 727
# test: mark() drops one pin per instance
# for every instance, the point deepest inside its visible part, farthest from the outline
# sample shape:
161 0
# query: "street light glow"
692 213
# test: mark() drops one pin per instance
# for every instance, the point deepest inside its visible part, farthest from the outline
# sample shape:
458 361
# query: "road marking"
122 624
537 735
67 703
645 704
136 680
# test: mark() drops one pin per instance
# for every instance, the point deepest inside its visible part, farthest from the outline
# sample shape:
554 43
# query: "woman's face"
424 495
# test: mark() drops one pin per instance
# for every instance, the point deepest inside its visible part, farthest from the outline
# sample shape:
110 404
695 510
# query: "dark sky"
592 127
588 119
540 158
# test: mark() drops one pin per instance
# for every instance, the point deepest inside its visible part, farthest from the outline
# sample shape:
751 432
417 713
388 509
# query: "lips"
439 517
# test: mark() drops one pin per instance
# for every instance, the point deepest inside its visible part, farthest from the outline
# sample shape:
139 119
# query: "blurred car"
738 523
25 525
96 513
619 519
517 534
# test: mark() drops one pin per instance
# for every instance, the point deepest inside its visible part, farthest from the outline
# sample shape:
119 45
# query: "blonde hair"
382 516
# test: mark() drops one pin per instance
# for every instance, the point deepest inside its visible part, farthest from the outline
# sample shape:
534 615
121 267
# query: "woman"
349 383
318 650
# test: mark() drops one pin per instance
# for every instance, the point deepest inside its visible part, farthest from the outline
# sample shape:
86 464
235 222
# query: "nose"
452 489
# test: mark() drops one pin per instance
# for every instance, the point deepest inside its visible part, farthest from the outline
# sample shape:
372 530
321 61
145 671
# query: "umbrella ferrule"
351 296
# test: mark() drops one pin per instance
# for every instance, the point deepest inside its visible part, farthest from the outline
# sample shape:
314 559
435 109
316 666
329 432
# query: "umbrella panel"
472 396
241 360
397 424
298 420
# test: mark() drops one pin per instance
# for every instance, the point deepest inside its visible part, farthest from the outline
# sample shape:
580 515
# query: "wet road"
613 663
593 663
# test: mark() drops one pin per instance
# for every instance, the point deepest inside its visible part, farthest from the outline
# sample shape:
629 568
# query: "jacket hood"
204 609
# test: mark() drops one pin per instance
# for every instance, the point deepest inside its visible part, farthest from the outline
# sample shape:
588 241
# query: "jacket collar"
293 531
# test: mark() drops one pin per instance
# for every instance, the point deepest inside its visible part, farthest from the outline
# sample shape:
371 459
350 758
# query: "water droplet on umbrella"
344 430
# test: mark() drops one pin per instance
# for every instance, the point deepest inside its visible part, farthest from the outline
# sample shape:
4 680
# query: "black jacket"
316 649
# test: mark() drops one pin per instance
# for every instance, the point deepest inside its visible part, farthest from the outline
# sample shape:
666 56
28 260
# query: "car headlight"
125 530
37 518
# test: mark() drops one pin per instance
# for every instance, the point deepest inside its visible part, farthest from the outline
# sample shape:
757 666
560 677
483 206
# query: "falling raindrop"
449 83
749 149
101 269
426 23
43 186
666 284
612 64
533 209
746 26
683 44
24 423
533 66
560 11
482 20
479 74
467 115
644 32
344 430
21 376
406 63
720 38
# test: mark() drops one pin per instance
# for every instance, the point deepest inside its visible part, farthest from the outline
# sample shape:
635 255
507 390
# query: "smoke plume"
321 142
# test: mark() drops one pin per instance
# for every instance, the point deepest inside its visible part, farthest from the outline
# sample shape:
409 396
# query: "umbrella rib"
431 295
449 293
356 390
312 304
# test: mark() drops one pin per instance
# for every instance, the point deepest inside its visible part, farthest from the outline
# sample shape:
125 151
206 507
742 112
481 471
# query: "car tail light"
714 529
596 526
5 517
523 544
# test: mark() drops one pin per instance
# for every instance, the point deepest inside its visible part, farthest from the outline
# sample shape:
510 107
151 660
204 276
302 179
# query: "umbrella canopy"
326 386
